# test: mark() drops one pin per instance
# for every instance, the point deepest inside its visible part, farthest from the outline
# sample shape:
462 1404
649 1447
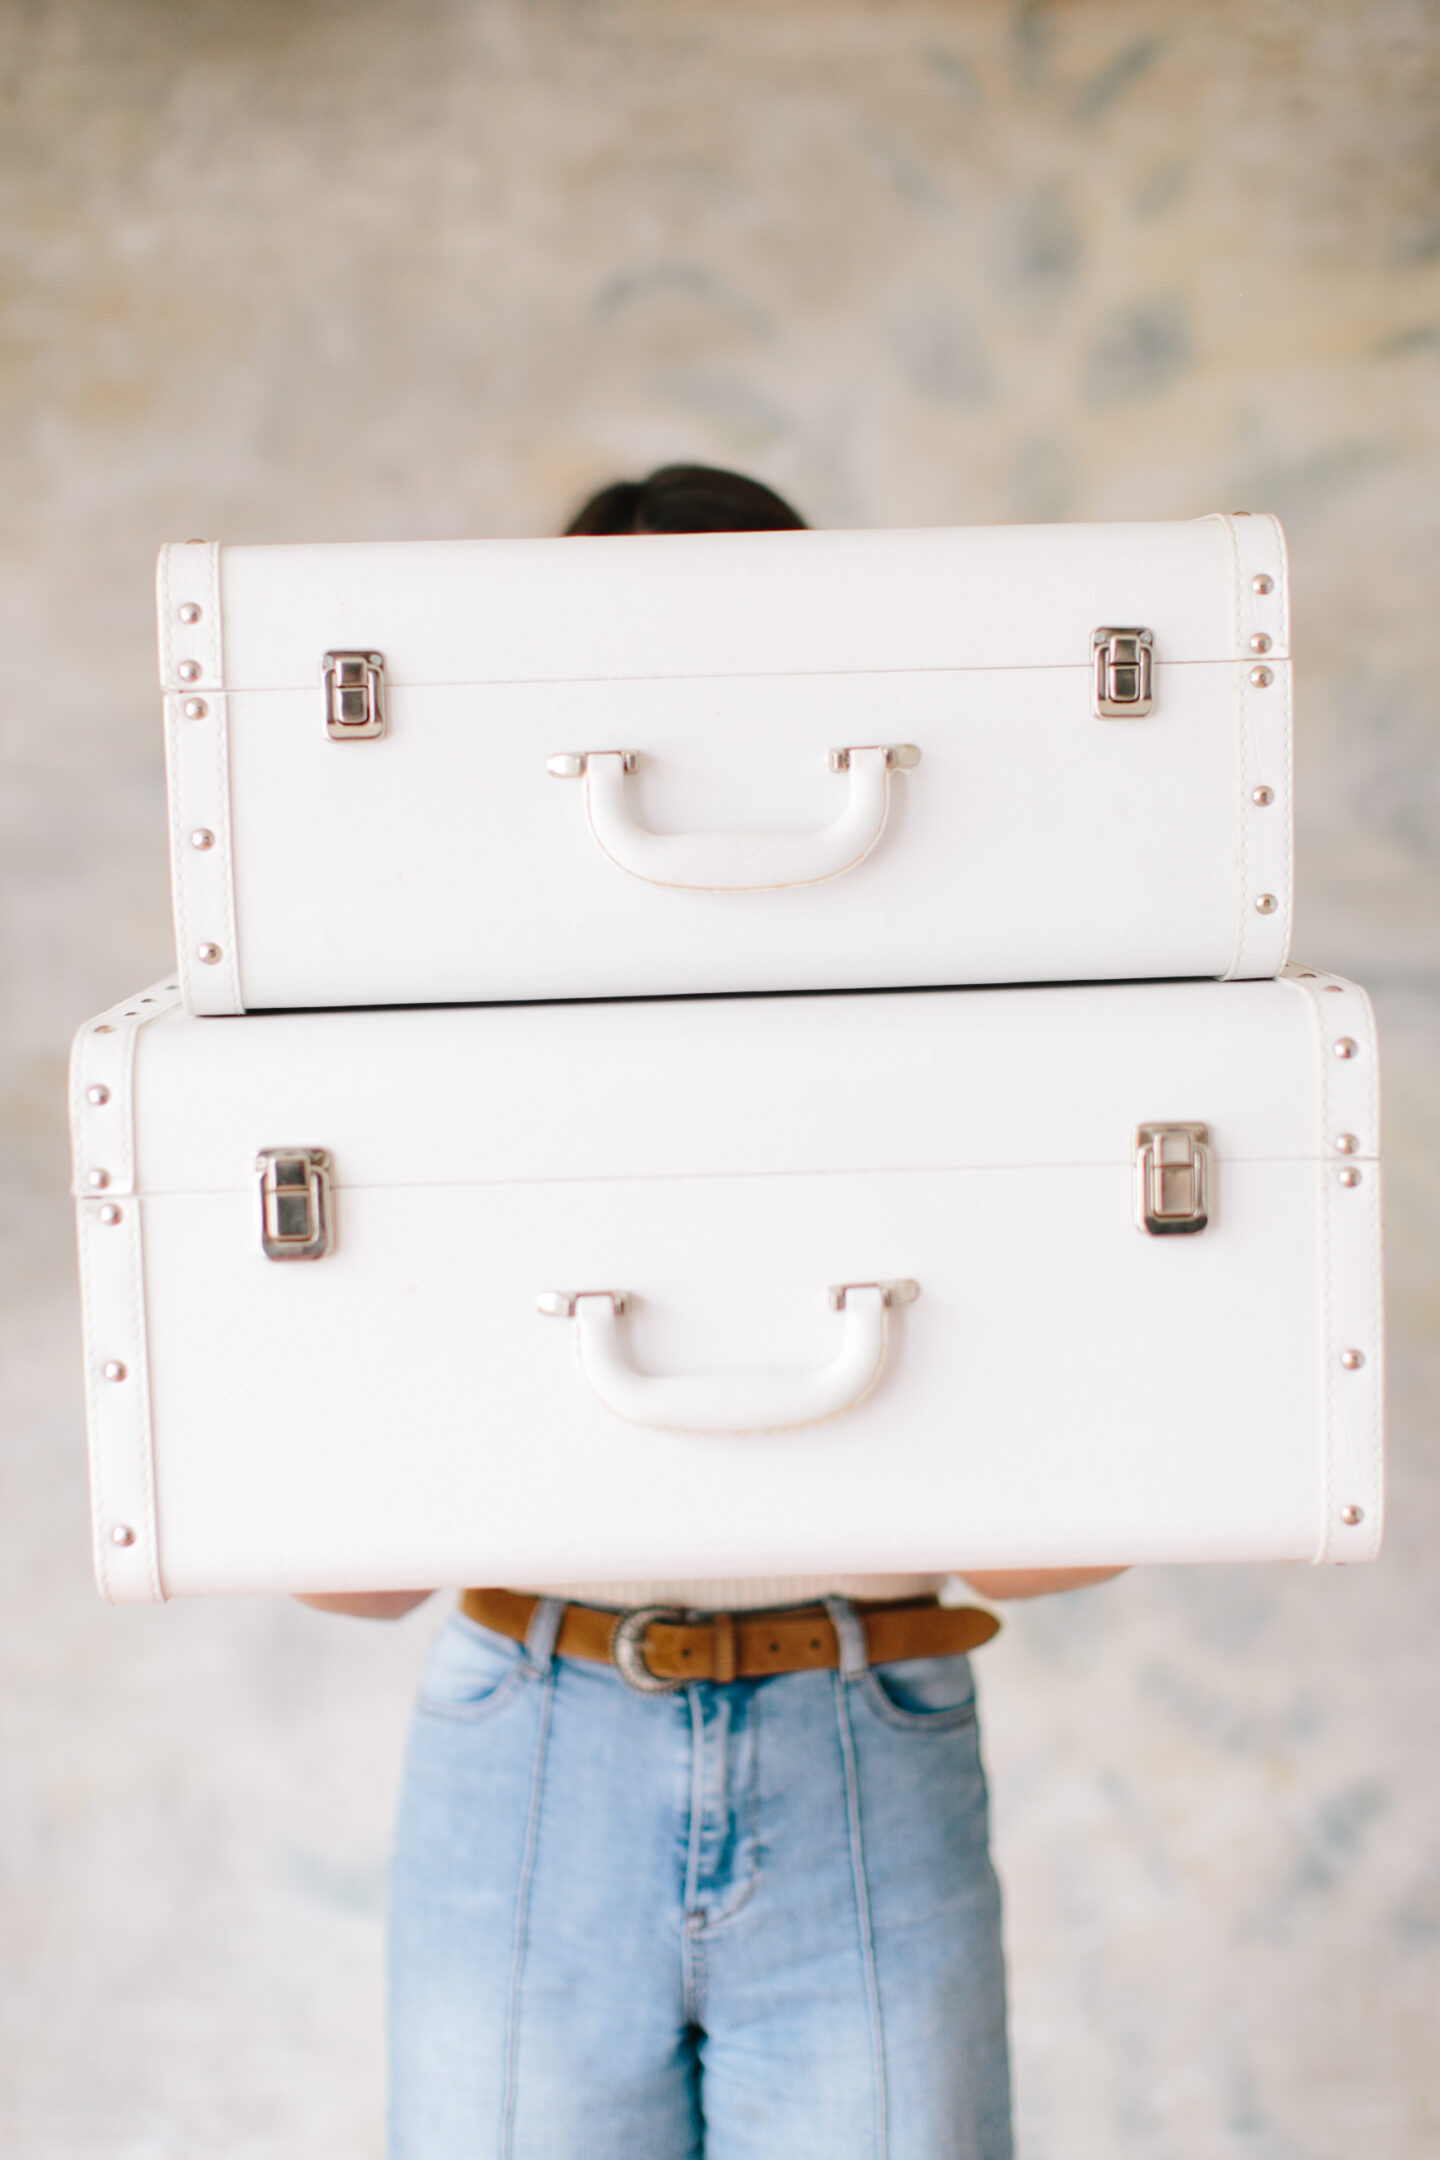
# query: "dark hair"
686 498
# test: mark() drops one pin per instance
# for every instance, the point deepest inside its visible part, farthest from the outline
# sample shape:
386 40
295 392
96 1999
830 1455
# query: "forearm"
1002 1583
367 1604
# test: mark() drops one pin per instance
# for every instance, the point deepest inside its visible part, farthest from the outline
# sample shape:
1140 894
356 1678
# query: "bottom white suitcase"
911 1280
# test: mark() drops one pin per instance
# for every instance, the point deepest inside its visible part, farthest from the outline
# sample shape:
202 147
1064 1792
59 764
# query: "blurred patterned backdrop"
332 269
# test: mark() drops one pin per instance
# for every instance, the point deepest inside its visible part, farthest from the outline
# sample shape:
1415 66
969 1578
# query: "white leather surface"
442 863
1066 1389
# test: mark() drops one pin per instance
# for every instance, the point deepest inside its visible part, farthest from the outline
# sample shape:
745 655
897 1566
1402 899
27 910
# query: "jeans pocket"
927 1694
470 1670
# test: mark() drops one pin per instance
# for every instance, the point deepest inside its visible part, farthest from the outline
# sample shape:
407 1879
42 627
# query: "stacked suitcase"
729 1054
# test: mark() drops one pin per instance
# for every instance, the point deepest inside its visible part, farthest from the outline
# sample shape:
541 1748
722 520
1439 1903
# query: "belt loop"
850 1632
541 1633
723 1627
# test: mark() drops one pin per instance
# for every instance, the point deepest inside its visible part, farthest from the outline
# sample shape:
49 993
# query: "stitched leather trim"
112 1293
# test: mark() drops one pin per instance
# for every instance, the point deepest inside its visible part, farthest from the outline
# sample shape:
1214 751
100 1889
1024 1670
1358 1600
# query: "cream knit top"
753 1593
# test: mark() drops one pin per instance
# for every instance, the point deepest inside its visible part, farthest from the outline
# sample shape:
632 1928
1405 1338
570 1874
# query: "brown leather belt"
658 1649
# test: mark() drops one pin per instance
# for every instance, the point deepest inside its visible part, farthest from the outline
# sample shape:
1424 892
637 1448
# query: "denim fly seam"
854 1664
539 1667
692 1920
722 1845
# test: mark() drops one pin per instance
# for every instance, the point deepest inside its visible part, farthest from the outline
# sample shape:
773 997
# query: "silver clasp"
1172 1178
354 699
1123 660
571 764
560 1304
899 756
295 1203
898 1290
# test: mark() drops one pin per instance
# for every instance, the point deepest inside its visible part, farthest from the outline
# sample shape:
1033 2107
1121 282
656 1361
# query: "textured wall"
306 269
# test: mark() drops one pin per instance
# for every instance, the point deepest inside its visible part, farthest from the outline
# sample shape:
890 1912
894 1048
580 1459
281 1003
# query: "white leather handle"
740 1402
738 861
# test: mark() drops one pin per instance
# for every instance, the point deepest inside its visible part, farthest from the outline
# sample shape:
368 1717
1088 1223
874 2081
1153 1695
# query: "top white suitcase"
457 771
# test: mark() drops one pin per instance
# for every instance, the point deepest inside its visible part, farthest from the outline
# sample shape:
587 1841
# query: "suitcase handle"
753 1402
738 861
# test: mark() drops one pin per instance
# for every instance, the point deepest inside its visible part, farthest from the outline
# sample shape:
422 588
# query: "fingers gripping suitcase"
901 1281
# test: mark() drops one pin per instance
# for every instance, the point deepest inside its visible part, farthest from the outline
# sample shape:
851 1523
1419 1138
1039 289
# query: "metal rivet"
97 1095
1264 796
1262 677
114 1370
110 1213
1352 1515
189 671
97 1180
1349 1177
122 1534
1260 643
1347 1047
195 708
1265 903
202 839
208 953
1347 1143
104 1028
1352 1360
1335 989
189 613
1262 583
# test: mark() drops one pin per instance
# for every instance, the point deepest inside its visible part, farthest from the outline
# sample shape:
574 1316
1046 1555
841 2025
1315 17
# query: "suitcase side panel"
1265 706
440 862
447 864
1064 1390
197 775
279 1391
476 1095
114 1310
1351 1265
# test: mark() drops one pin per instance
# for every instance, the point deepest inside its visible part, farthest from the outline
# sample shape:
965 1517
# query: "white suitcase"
436 772
353 1286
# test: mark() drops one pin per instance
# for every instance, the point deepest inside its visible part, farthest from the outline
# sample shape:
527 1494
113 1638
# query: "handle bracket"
898 1290
560 1304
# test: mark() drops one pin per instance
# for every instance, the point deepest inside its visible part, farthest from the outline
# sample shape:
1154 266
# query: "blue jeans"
751 1921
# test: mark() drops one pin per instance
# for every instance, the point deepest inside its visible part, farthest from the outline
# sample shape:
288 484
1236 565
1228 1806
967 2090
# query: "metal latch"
1122 673
1172 1179
354 700
295 1206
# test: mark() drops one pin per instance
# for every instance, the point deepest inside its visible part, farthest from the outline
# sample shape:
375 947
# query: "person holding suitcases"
691 1861
640 1915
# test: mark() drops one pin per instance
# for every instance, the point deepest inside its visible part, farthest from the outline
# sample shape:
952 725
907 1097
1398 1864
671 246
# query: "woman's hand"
367 1604
1036 1582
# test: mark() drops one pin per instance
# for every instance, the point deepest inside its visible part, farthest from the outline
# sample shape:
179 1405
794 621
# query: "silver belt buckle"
627 1647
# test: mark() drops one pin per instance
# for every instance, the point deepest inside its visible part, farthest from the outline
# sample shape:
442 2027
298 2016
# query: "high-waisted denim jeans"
750 1921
